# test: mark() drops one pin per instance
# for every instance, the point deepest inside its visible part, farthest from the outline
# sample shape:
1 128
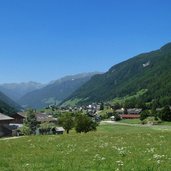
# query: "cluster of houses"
133 113
91 110
9 124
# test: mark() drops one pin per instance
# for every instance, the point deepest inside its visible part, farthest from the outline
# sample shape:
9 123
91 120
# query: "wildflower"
150 150
158 161
119 163
103 158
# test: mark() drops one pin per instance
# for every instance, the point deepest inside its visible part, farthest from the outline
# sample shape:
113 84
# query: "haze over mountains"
55 91
149 73
16 90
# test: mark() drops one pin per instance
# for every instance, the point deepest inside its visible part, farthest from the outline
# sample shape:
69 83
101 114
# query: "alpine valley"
143 79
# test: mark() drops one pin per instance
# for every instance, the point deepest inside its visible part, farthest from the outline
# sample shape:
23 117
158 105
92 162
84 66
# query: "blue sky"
42 40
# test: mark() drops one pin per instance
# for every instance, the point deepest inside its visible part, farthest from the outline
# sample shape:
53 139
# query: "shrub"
67 121
24 130
165 114
31 121
151 120
46 127
144 115
84 124
117 117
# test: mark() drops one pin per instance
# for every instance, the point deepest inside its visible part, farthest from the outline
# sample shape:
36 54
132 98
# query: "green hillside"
7 106
148 71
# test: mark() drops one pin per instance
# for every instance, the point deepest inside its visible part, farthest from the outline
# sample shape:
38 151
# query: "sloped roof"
60 129
134 110
41 117
5 117
19 114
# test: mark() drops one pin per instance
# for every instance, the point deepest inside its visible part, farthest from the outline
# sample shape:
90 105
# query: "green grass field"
137 121
130 121
110 148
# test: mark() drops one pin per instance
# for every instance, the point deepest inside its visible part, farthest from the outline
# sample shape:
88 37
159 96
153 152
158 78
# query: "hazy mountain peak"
17 90
55 91
73 77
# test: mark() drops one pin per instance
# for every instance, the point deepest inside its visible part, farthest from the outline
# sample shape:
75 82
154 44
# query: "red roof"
125 116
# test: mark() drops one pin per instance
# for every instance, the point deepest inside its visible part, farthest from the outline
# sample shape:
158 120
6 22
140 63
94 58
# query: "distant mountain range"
16 90
55 91
148 72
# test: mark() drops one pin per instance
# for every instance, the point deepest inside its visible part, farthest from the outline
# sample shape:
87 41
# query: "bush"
46 127
84 124
31 121
151 120
67 121
144 115
24 130
165 114
117 117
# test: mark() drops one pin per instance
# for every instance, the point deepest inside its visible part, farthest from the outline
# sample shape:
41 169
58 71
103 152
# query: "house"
134 111
131 111
59 130
43 117
18 118
5 129
120 111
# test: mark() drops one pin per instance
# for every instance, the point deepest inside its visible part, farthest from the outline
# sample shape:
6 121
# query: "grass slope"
111 148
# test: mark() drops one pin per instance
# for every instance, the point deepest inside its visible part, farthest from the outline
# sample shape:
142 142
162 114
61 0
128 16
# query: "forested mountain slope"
7 106
148 71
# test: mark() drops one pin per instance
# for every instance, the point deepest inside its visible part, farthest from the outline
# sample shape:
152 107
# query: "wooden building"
5 129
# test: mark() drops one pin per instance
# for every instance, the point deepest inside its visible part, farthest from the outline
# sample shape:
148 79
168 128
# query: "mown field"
110 148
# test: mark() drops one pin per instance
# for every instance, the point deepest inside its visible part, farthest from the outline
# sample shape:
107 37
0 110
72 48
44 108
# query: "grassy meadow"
130 121
110 148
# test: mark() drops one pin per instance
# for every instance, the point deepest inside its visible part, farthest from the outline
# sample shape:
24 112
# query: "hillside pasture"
110 148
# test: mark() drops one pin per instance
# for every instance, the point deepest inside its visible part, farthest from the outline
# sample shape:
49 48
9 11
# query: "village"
48 119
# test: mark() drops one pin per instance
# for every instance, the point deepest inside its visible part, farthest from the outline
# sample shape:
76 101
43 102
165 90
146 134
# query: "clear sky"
42 40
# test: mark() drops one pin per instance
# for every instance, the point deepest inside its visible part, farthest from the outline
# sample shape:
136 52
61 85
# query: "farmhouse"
18 118
131 111
120 111
134 111
5 129
43 117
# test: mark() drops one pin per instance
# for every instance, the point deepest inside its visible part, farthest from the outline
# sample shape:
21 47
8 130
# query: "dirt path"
11 138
